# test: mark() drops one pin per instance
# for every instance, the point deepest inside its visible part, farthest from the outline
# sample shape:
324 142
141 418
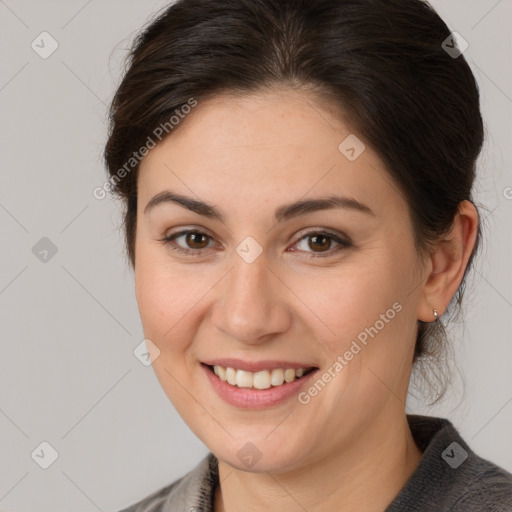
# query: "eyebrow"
281 214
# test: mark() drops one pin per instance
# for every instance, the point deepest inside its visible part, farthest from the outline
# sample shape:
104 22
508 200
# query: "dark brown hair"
381 61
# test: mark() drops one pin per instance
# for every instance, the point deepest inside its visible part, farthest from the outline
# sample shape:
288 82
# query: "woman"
297 179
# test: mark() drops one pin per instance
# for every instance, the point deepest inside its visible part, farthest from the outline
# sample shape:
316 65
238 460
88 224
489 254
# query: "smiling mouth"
264 379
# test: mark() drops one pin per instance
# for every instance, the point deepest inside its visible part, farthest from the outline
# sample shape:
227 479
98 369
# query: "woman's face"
269 287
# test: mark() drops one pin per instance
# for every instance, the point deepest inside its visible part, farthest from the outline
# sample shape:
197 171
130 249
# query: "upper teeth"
258 380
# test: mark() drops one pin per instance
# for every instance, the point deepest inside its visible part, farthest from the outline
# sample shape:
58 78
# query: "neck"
365 476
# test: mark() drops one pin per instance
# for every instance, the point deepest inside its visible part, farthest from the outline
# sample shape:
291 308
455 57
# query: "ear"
448 261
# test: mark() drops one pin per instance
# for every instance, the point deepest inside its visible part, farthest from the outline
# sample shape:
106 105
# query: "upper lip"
256 366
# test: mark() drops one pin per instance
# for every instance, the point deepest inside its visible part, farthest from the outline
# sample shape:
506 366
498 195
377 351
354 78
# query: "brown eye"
319 243
196 240
193 242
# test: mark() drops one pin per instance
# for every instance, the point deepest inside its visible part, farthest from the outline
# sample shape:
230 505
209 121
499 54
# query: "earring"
436 316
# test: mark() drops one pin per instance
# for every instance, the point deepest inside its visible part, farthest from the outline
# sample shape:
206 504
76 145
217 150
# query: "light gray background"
68 375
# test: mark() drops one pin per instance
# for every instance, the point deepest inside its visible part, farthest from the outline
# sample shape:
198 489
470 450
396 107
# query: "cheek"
164 296
368 317
166 299
348 301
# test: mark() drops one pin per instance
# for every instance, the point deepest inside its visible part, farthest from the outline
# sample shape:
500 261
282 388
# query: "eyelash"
169 241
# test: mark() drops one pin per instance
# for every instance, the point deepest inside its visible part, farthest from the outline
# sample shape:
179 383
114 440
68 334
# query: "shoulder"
451 477
193 491
486 487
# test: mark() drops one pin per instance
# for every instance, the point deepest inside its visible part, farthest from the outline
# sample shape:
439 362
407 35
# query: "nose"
251 306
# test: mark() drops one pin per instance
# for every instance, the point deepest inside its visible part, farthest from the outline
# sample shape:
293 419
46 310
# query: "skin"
350 447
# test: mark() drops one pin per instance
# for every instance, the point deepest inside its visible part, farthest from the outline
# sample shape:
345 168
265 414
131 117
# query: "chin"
259 456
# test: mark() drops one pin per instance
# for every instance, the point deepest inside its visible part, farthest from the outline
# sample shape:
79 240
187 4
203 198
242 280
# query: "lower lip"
250 398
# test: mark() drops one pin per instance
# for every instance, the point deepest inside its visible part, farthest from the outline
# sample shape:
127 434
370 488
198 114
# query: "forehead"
259 146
